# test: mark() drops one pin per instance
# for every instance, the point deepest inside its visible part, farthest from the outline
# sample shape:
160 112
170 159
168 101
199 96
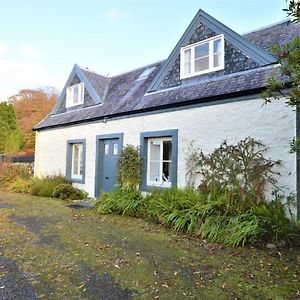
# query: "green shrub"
10 172
66 191
45 186
240 169
21 185
215 216
129 167
176 208
123 201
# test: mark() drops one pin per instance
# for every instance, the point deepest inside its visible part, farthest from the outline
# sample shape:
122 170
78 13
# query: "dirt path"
50 251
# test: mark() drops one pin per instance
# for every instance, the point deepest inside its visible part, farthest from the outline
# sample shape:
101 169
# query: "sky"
40 41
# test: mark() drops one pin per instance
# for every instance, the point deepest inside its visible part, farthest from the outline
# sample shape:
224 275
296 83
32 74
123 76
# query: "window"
203 57
75 95
116 149
159 162
159 156
145 74
75 169
77 161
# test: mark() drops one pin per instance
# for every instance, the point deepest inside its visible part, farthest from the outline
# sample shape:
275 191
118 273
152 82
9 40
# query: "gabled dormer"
208 49
83 88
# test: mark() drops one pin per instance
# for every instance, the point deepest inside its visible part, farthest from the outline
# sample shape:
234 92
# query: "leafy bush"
21 185
9 173
129 167
45 186
240 169
66 191
123 201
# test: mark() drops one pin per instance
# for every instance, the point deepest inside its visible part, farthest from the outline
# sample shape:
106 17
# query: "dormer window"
202 57
75 95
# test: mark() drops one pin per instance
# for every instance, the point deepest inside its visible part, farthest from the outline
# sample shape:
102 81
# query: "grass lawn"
50 251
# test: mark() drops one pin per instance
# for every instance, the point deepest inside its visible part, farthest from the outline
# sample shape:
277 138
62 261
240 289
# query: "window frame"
211 68
79 163
70 161
161 161
70 95
172 135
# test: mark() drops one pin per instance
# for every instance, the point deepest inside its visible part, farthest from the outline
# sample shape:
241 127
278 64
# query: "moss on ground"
77 254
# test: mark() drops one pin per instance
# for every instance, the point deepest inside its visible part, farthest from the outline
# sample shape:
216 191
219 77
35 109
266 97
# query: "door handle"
106 177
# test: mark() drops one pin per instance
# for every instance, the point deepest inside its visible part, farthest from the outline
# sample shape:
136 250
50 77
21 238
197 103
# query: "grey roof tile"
123 94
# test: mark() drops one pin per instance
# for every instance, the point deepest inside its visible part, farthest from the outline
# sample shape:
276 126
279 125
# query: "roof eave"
161 107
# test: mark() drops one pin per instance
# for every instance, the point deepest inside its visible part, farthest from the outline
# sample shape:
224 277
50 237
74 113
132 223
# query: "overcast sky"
40 41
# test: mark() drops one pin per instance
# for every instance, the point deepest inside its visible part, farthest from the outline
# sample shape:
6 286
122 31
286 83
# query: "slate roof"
124 94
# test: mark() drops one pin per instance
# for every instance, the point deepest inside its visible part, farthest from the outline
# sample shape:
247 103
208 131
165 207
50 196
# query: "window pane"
201 50
155 150
76 152
115 149
106 149
167 171
201 64
217 46
167 150
187 61
154 171
75 94
75 159
187 55
217 60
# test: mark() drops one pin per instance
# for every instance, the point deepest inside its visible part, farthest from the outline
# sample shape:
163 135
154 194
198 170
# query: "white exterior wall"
273 124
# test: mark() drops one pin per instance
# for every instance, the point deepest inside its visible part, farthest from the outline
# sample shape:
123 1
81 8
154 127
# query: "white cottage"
206 91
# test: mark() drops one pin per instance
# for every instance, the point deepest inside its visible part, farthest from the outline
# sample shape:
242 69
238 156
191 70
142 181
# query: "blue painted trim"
99 154
173 133
87 85
76 71
261 56
69 156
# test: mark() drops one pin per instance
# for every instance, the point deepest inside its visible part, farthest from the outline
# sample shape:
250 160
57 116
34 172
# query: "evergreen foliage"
10 134
129 168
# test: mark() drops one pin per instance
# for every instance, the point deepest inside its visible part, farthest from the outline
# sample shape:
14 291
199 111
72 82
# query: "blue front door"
110 160
108 148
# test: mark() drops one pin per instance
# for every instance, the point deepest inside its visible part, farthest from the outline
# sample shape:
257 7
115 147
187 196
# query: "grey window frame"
144 137
69 160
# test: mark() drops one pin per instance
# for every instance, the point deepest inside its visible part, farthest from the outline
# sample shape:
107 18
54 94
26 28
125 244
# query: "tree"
10 134
287 84
31 107
293 9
